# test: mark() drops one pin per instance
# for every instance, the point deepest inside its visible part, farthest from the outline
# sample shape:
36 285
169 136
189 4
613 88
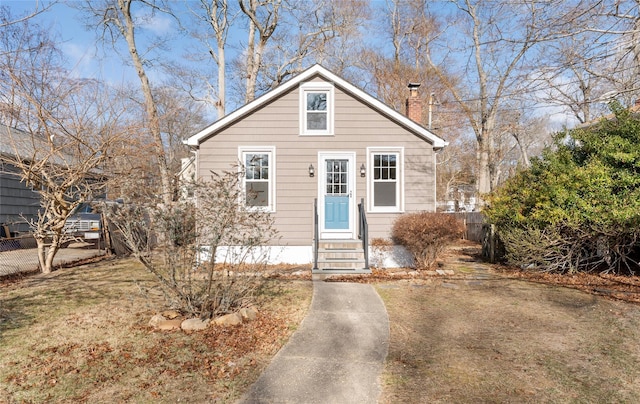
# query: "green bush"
425 235
577 208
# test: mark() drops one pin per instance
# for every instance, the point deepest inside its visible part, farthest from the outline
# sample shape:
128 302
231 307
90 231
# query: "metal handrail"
316 234
363 232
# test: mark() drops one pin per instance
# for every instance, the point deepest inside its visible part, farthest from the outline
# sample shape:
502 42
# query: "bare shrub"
563 249
207 253
425 235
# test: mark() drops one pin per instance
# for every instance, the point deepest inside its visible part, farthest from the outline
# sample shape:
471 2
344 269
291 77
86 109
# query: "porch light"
312 171
363 170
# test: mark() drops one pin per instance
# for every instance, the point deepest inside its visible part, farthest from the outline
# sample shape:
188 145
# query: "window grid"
317 111
385 182
385 167
337 177
257 179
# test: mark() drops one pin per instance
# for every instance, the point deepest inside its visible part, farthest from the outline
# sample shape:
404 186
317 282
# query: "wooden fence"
476 229
473 222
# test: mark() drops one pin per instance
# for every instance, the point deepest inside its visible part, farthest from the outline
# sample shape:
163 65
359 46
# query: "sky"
78 43
89 60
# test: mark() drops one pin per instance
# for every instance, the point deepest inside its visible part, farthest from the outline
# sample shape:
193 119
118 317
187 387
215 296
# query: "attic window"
316 109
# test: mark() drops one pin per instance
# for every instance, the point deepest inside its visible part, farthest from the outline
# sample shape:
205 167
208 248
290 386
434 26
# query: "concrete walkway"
337 354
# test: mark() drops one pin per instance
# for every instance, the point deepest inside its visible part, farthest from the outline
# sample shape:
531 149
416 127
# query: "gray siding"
357 127
17 201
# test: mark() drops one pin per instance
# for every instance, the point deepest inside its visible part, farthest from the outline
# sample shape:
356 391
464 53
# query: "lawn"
81 335
482 336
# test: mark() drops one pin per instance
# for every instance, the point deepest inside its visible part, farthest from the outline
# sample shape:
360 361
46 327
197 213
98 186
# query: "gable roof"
317 70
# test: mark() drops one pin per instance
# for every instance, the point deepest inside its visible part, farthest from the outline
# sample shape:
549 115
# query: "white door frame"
351 184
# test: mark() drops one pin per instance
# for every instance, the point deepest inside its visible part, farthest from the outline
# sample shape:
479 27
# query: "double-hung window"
316 109
385 179
259 171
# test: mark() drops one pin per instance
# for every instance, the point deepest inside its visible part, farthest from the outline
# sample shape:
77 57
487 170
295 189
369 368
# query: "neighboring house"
318 137
19 203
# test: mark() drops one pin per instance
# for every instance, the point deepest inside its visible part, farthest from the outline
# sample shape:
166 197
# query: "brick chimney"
414 103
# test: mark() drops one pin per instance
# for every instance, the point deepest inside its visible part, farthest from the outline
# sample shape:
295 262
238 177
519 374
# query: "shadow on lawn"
29 299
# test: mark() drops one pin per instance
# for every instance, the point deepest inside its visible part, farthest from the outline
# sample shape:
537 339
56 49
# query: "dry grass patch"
81 335
504 340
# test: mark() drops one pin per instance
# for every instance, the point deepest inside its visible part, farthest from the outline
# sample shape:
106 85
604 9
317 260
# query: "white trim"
271 150
316 87
322 175
427 135
400 186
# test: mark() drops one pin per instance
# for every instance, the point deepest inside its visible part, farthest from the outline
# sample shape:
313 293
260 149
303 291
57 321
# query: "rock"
229 319
248 313
170 314
440 272
156 319
194 324
449 272
414 273
168 325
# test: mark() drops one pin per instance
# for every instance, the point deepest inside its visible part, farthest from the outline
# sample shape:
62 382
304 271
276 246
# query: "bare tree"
574 78
619 25
595 62
65 136
263 20
492 51
214 19
311 32
409 29
7 19
117 19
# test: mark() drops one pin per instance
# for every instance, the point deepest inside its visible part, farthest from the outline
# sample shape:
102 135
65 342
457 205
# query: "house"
334 166
19 203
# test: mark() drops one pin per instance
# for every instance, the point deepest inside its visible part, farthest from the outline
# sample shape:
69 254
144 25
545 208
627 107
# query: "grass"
81 335
505 340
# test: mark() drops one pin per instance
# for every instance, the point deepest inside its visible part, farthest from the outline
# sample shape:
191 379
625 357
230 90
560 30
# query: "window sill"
391 210
313 134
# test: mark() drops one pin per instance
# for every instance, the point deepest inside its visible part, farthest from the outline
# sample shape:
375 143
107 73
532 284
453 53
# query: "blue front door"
337 195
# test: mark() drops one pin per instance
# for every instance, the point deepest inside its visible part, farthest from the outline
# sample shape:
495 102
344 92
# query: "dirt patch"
482 336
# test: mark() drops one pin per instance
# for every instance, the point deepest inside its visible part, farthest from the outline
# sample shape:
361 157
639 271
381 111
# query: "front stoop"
341 257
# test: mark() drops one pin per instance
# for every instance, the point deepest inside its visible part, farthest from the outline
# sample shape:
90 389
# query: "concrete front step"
341 256
340 245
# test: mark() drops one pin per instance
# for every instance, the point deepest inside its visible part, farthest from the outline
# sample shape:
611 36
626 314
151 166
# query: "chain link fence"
20 254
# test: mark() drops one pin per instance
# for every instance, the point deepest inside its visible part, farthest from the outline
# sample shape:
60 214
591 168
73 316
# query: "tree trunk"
250 89
42 254
46 255
150 105
220 107
484 172
52 251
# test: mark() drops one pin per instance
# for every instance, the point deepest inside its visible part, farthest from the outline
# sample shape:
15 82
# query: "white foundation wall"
396 257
